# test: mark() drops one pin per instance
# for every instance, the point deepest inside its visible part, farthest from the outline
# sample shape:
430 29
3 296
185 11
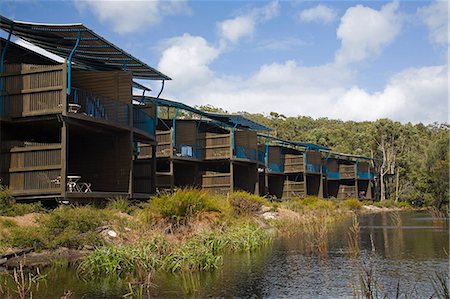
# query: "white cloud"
319 13
244 24
132 16
329 90
364 31
436 18
186 59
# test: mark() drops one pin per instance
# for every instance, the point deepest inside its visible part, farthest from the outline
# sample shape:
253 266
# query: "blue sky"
338 59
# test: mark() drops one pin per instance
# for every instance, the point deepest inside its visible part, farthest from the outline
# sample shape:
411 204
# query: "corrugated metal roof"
93 50
307 145
229 120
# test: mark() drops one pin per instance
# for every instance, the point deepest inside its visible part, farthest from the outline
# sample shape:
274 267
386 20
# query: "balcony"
142 121
261 157
247 153
276 167
312 168
188 151
86 103
333 175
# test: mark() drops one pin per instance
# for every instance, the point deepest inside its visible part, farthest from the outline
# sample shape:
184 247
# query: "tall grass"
200 253
179 207
244 203
9 207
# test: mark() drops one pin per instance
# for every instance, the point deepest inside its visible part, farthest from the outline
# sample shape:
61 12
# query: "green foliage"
178 207
404 205
9 207
71 227
201 253
121 204
353 204
309 203
246 203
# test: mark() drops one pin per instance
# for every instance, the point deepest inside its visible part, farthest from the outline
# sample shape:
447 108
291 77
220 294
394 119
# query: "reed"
354 237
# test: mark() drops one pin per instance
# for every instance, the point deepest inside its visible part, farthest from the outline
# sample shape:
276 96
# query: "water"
406 249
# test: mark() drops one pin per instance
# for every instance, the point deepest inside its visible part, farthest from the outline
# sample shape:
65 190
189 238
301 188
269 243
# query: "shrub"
388 203
404 205
246 203
9 207
353 204
183 204
314 202
120 203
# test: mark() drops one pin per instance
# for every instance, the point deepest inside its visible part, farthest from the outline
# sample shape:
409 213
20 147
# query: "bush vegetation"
9 207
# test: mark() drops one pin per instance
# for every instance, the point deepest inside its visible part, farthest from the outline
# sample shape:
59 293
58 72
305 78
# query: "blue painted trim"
69 65
156 103
266 150
174 129
232 136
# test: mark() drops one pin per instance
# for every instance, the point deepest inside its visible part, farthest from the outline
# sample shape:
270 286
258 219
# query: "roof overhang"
92 50
228 120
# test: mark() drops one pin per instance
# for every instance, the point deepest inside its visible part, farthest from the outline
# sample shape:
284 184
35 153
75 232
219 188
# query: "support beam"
69 66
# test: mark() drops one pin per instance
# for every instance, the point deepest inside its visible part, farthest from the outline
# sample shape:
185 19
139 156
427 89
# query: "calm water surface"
408 250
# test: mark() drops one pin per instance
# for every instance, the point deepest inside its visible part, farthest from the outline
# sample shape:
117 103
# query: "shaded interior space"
245 177
262 183
364 190
332 189
143 175
101 159
275 185
163 166
186 175
313 185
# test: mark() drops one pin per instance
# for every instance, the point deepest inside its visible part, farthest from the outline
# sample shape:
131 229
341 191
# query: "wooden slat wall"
145 151
313 157
346 191
217 146
246 139
164 140
114 85
293 163
347 171
35 89
33 167
216 182
293 189
142 176
186 133
274 154
332 165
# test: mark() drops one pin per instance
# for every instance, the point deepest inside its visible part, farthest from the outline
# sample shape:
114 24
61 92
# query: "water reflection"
409 248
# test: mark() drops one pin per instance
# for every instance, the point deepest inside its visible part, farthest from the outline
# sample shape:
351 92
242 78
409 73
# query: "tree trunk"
397 184
382 187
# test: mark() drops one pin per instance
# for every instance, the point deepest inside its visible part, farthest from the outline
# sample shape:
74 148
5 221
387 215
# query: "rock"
269 215
111 233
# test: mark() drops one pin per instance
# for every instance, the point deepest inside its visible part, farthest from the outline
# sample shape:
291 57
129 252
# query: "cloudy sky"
348 60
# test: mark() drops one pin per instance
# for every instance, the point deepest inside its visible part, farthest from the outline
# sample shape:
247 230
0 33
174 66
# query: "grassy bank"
189 230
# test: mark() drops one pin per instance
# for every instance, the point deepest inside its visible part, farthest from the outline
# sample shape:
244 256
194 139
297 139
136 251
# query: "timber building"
71 129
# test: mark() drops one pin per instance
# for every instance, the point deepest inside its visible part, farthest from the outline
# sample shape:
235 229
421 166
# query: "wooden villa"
69 129
294 169
216 152
349 176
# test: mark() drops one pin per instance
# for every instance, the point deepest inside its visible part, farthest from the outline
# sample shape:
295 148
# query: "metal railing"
143 121
243 152
276 167
363 175
85 102
333 175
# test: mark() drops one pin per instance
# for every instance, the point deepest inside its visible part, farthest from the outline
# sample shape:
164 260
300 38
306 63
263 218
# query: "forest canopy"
411 159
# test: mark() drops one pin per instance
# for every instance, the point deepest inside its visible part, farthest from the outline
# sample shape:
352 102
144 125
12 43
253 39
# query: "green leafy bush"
9 207
353 204
183 204
246 203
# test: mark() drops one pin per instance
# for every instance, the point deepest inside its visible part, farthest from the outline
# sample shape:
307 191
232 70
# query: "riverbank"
177 230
